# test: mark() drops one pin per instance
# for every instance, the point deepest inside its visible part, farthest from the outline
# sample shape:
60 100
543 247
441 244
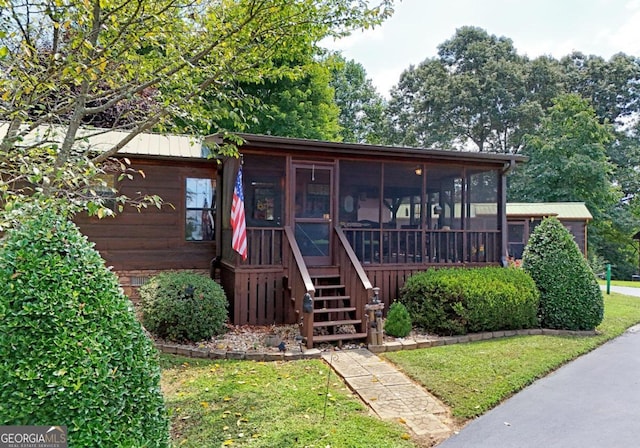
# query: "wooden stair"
334 316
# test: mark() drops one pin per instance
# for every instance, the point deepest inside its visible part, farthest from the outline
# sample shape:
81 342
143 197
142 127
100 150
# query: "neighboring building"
325 221
522 219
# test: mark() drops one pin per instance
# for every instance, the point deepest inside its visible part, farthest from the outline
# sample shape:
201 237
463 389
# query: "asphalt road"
593 401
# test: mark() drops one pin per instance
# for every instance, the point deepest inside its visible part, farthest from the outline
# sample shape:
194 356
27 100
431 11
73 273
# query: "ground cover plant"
268 404
72 352
473 378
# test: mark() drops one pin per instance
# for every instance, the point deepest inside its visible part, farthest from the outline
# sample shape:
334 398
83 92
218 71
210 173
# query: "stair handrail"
353 258
300 284
360 290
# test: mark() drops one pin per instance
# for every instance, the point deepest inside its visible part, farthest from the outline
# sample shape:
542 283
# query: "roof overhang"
253 142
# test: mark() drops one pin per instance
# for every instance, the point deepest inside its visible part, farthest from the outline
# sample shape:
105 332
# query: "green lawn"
275 404
621 283
473 378
282 404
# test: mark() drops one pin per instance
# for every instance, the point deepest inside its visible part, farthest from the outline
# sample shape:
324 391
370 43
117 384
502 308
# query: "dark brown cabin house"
333 221
327 223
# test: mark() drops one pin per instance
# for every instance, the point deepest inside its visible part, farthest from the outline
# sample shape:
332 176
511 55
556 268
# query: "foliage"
258 404
63 65
611 86
72 352
568 160
398 321
458 300
475 91
473 378
183 306
570 297
300 106
361 106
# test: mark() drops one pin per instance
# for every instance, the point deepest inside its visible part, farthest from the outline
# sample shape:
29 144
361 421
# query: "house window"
200 209
105 191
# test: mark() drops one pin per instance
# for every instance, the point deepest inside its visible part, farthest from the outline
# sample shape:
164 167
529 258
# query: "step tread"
338 337
328 286
334 323
334 310
331 298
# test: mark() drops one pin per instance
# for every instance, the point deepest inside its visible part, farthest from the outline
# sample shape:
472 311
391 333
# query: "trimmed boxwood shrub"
72 352
570 297
183 306
460 300
398 321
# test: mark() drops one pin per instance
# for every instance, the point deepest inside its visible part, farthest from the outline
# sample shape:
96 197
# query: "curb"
391 346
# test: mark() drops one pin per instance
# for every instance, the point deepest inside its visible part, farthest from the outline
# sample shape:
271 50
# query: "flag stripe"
238 223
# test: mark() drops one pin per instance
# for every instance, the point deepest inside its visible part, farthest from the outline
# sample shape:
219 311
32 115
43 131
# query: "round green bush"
398 321
570 297
183 306
72 352
460 300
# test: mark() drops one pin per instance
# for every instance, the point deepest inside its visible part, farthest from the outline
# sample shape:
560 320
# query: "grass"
282 404
275 404
628 283
473 378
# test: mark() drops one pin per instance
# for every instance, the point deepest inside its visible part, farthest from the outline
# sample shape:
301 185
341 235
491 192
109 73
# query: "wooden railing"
264 246
420 246
357 283
299 283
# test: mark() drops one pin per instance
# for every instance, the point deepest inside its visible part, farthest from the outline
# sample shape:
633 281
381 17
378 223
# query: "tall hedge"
570 297
71 350
459 300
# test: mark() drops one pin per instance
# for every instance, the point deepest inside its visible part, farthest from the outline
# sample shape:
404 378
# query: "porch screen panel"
483 243
483 200
445 214
264 190
402 213
359 207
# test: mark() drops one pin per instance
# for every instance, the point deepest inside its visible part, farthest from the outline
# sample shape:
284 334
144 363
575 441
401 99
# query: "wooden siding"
152 239
259 296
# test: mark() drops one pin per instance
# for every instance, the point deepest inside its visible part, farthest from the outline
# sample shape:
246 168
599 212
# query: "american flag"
239 239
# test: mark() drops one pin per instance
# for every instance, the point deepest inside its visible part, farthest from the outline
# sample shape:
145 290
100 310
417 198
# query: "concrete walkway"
391 394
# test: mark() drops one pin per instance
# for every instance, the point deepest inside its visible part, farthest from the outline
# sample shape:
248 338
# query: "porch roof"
308 146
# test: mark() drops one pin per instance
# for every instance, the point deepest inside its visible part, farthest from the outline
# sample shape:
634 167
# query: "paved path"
626 290
390 393
590 402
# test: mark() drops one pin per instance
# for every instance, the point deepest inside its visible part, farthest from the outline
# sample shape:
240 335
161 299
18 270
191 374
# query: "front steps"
334 317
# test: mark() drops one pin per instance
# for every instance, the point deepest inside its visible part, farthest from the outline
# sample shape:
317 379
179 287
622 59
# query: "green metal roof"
562 210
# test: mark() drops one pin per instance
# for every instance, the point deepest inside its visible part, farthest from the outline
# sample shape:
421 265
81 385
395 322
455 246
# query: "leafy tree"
568 160
570 297
612 86
302 106
361 106
474 92
64 63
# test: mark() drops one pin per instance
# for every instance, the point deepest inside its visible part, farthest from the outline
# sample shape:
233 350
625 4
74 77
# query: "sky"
536 27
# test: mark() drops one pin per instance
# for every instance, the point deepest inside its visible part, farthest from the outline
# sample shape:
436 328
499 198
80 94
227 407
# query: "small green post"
608 278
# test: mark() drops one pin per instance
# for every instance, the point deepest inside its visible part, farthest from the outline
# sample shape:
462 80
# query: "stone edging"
391 346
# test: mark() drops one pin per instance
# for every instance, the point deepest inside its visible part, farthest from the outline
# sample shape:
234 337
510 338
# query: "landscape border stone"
390 346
